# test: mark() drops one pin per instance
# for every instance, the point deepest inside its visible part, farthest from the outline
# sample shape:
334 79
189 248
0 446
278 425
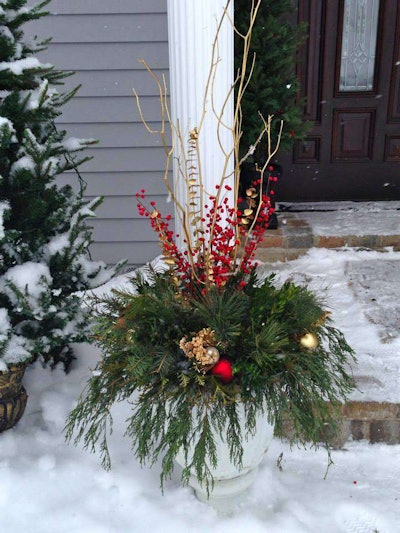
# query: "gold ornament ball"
212 354
309 341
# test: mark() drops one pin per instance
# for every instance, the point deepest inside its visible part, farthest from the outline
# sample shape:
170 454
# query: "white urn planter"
231 483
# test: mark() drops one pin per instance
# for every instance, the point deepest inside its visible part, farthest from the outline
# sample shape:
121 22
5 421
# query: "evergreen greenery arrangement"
274 87
190 342
44 239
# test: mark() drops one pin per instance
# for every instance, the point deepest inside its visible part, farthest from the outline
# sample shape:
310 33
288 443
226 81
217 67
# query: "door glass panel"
360 28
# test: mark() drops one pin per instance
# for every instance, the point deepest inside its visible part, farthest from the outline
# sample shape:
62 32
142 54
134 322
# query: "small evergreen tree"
274 87
44 240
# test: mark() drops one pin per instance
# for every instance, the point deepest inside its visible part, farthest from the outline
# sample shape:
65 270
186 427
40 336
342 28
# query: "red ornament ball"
223 370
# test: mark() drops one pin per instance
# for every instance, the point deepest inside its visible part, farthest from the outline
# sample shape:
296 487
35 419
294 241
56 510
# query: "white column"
192 27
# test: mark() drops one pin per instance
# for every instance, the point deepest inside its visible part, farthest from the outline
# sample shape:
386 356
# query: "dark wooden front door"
350 77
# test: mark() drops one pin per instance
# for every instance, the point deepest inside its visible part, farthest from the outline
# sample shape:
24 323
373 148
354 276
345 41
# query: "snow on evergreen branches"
31 279
7 131
44 240
4 206
20 65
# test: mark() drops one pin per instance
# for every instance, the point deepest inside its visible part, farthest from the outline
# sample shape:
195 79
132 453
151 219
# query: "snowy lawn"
48 486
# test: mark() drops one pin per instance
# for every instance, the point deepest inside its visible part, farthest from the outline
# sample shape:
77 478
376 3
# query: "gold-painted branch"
190 210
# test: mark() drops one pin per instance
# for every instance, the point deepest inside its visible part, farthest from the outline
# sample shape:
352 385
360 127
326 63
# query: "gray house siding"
102 41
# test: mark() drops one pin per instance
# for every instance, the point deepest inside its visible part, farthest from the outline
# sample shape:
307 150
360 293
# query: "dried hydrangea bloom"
201 348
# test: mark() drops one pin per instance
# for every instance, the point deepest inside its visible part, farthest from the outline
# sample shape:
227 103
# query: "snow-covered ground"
48 486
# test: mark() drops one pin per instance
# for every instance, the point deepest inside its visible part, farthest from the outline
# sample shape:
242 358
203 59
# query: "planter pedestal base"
227 494
231 483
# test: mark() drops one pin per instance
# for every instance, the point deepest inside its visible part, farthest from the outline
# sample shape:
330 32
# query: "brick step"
371 421
295 236
374 422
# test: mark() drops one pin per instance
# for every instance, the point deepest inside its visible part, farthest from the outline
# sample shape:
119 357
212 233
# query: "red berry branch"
213 261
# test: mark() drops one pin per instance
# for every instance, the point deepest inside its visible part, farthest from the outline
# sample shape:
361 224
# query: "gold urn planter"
13 396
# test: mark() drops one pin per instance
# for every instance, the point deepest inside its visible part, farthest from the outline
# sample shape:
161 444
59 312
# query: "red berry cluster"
216 258
166 236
